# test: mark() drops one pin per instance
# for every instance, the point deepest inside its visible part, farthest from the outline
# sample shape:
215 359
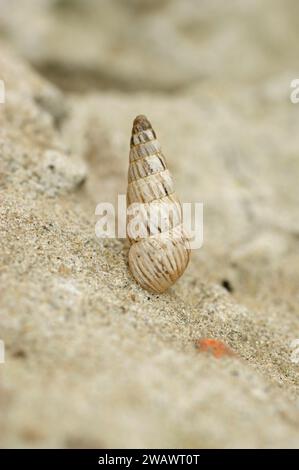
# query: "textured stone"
92 360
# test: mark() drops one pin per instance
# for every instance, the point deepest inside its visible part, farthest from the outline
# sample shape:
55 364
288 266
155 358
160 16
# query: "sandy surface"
92 360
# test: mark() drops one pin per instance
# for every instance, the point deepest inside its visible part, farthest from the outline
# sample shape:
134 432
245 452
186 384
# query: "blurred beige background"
92 360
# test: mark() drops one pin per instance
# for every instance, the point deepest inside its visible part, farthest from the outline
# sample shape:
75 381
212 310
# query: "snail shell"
159 253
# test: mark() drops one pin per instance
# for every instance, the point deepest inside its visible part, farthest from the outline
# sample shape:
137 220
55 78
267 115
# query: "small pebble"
215 347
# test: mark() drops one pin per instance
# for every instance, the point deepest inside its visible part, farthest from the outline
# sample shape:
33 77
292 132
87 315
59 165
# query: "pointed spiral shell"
159 252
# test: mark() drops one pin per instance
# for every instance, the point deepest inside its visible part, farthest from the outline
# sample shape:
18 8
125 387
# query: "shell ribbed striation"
159 252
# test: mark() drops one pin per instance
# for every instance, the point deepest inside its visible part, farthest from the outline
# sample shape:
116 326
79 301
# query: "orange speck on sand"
214 346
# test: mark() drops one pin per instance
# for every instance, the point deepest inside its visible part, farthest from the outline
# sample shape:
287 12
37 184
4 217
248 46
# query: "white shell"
160 255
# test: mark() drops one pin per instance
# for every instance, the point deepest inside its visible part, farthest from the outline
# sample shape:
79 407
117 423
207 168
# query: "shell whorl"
158 255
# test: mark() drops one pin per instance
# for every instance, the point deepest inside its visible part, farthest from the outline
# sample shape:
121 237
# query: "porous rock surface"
92 360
